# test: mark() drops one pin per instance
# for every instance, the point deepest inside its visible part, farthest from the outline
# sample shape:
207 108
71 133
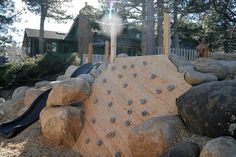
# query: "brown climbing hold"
132 66
171 87
120 76
145 63
111 134
110 104
135 75
99 142
93 121
87 141
130 101
130 112
113 68
113 120
124 67
104 80
127 123
108 92
153 76
144 113
143 101
118 154
125 85
158 91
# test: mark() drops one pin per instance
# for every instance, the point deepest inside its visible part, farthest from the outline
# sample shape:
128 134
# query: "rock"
183 149
88 77
122 55
23 110
61 125
54 83
2 100
102 67
230 66
43 84
60 78
220 147
210 109
205 65
153 137
2 114
195 78
19 94
95 72
68 92
69 71
183 69
178 61
31 94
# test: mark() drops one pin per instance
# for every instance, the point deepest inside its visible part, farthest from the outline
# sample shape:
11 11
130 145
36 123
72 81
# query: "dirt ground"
30 143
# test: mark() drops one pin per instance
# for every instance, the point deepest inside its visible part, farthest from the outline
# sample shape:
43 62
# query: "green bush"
32 70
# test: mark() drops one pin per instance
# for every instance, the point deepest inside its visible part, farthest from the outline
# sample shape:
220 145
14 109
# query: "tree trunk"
150 28
175 24
160 12
41 32
144 23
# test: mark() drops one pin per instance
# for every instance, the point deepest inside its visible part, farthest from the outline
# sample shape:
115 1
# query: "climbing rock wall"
129 92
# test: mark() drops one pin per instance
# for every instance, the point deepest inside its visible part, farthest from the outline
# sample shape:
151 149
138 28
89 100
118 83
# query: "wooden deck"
131 91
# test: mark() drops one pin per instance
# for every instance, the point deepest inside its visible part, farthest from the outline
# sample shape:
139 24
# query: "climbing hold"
118 154
120 76
132 66
108 92
145 63
104 80
144 113
95 101
130 101
125 85
110 104
113 68
153 76
124 67
111 134
93 120
171 87
130 112
99 142
143 101
127 123
158 91
135 75
87 141
113 120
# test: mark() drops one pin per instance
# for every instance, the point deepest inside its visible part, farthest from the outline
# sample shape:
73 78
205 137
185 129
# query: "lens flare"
109 21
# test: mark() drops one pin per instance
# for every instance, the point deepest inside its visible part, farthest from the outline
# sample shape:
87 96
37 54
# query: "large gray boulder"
31 94
209 109
195 78
220 147
153 137
43 84
88 77
69 71
19 94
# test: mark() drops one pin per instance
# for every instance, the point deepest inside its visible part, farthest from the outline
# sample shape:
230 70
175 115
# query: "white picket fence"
96 58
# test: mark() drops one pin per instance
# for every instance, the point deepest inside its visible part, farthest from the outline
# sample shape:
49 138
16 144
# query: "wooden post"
166 38
90 53
113 43
107 52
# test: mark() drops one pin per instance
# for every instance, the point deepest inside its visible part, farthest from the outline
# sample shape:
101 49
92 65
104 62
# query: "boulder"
69 71
95 72
61 125
2 100
54 83
153 137
2 114
68 92
205 65
220 147
9 110
183 149
43 84
122 55
60 78
88 77
102 67
210 109
179 61
230 66
19 94
195 78
183 69
23 110
31 94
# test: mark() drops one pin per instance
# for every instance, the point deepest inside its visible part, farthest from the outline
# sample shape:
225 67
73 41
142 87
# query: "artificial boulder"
60 78
183 149
69 71
153 137
220 147
19 94
210 109
31 94
88 77
2 114
61 125
68 92
43 84
195 78
2 100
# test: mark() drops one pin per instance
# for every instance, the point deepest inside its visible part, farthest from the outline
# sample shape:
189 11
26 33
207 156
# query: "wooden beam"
90 53
113 43
166 38
107 52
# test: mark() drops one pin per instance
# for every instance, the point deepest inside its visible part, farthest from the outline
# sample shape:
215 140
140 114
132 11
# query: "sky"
30 20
